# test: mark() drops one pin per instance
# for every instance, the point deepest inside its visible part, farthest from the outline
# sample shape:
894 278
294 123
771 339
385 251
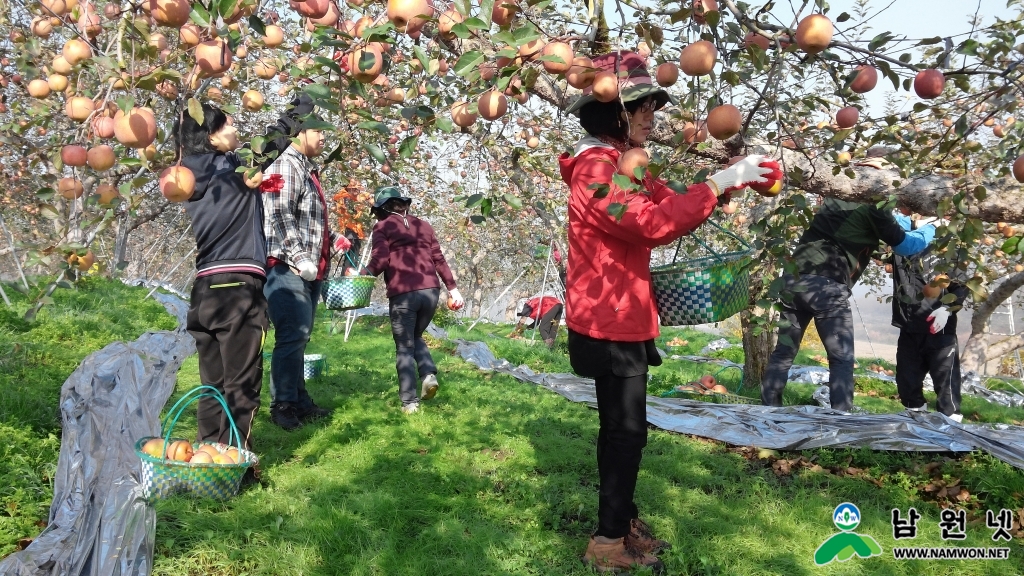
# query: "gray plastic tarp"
791 428
100 524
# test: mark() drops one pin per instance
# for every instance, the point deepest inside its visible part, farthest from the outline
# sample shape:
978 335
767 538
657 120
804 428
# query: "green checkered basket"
162 478
706 289
313 366
348 292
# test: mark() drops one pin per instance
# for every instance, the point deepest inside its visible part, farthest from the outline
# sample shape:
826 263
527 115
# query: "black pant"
828 303
548 323
619 370
935 354
228 319
411 313
622 410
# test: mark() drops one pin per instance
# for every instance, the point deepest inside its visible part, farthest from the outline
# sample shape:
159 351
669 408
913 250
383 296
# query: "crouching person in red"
542 313
610 308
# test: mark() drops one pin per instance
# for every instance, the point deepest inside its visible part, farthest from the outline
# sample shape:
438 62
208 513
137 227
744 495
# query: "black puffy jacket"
227 217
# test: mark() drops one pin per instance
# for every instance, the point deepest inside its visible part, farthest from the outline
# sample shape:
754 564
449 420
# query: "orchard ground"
494 476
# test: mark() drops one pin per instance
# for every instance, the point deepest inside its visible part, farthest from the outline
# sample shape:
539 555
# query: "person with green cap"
610 310
406 251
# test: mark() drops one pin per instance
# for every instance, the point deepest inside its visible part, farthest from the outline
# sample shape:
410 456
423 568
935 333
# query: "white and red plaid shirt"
295 212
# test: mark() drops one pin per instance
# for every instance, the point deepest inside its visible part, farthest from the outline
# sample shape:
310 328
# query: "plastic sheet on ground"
790 428
716 345
971 384
100 524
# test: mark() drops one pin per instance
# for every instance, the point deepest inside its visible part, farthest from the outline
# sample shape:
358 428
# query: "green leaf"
257 25
713 17
474 200
375 151
617 210
477 219
200 15
503 37
461 30
317 91
525 34
378 126
49 211
880 40
512 201
421 56
474 23
980 192
469 62
195 110
600 189
843 17
1010 246
623 181
486 206
336 154
45 193
227 7
929 41
408 146
680 15
969 47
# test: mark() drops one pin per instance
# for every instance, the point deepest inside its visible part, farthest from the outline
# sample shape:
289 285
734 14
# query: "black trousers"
622 410
228 319
828 303
935 354
411 313
548 323
619 370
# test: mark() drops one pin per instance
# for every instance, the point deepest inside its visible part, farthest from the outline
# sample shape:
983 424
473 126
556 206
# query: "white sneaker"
411 408
429 388
957 418
921 408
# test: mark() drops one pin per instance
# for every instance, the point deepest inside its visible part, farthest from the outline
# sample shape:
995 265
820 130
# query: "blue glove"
915 241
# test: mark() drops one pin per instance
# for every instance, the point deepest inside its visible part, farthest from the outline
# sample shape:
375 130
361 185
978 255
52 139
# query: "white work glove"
937 320
457 300
754 169
307 271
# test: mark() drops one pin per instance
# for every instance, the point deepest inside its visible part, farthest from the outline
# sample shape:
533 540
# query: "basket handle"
693 235
204 391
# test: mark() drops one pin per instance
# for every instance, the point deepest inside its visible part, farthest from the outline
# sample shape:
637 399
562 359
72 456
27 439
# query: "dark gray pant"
828 303
292 305
920 354
411 313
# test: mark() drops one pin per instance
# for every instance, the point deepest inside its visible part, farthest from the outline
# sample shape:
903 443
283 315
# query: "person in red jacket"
543 313
405 249
610 310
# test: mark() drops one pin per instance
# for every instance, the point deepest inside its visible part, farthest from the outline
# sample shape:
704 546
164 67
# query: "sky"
918 19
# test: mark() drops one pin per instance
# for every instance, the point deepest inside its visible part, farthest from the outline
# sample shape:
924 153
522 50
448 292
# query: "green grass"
499 477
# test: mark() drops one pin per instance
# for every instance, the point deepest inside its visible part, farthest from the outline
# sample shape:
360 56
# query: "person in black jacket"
228 313
829 259
927 342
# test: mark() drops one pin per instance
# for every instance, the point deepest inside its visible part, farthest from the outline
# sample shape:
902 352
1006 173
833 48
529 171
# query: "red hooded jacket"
608 277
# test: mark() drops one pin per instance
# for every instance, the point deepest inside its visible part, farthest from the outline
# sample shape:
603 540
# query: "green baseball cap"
385 193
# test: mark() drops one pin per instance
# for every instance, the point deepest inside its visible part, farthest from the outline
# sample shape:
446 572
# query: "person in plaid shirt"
299 242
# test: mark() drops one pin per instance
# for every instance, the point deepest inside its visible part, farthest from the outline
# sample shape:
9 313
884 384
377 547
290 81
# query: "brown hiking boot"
644 539
616 555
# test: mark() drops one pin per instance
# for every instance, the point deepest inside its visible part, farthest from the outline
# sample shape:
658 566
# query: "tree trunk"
983 346
758 343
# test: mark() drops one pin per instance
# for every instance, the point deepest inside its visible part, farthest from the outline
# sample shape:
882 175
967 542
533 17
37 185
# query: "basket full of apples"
204 469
